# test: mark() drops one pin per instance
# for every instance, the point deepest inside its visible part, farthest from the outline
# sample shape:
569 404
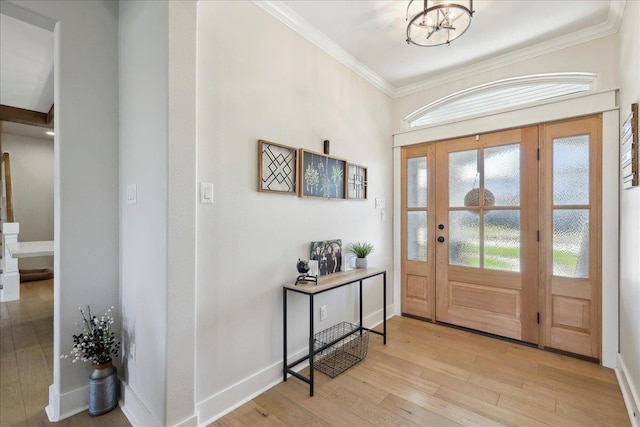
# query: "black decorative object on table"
303 269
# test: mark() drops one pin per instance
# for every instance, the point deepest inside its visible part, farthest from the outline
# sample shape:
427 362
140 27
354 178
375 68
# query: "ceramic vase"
361 263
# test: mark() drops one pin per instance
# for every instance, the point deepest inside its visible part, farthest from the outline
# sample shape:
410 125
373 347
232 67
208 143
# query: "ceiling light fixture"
439 22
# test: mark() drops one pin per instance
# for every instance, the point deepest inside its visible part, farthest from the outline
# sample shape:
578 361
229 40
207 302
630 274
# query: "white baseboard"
629 392
375 318
132 407
68 404
232 397
225 401
189 422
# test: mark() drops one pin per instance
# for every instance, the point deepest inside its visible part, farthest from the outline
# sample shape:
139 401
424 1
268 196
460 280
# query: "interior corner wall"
268 82
85 178
629 59
143 60
32 181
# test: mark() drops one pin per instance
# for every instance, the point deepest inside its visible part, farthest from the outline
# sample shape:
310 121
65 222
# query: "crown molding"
301 26
297 23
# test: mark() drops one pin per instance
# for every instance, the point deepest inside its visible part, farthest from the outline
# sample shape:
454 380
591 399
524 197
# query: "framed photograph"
277 168
356 182
321 176
328 253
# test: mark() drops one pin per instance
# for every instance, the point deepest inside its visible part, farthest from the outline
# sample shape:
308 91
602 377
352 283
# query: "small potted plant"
361 250
97 344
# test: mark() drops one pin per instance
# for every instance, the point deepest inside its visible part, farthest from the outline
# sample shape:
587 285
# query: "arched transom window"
501 95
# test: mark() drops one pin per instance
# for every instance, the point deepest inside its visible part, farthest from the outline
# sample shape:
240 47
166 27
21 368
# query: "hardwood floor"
432 375
26 356
426 375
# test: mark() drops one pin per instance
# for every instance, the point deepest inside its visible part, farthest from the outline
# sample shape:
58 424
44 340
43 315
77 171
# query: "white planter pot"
361 263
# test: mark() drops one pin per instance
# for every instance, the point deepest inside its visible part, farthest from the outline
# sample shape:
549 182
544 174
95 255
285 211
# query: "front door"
486 233
501 233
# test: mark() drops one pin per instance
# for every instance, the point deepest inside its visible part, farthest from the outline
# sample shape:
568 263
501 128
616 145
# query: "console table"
325 284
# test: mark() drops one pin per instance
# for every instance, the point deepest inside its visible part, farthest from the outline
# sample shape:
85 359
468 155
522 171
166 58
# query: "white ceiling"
369 35
26 65
366 35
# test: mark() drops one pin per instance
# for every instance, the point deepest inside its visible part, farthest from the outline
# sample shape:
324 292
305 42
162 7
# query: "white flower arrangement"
97 342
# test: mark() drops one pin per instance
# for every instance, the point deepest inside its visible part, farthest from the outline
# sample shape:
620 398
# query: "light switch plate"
132 194
206 193
379 203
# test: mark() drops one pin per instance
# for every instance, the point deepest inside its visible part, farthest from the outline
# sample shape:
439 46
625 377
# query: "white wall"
157 234
85 177
629 58
143 59
32 179
267 82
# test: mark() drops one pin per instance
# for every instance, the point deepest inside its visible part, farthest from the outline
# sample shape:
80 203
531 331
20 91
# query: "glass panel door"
571 235
417 215
483 204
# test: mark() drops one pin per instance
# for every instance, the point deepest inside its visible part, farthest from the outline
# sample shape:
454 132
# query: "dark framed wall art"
321 176
356 182
277 168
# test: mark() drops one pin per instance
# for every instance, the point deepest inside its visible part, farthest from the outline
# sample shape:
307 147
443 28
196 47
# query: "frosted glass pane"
417 236
464 238
502 174
417 182
571 170
502 240
463 172
571 242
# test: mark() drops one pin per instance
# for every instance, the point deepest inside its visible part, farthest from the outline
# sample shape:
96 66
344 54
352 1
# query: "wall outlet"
323 312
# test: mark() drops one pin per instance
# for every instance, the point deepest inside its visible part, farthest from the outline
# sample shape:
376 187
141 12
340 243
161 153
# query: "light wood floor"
26 356
432 375
425 375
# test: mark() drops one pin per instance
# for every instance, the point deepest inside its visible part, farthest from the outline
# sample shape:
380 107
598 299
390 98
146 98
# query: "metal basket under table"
340 347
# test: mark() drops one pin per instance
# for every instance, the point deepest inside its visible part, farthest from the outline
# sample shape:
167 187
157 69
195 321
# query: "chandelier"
439 22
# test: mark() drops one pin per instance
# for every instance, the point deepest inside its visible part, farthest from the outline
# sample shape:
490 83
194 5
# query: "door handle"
440 239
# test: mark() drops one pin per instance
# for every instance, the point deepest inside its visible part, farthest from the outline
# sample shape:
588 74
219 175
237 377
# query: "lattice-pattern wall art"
357 182
277 168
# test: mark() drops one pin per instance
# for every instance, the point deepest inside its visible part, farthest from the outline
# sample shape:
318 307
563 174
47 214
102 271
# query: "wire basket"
339 348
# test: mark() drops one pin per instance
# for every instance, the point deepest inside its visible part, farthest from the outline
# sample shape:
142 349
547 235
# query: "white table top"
30 249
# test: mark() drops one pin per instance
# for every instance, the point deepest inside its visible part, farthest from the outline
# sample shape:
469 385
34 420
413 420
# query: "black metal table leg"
384 308
284 337
360 324
311 345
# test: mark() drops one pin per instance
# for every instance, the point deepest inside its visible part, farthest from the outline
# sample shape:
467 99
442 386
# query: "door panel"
486 276
418 278
571 227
